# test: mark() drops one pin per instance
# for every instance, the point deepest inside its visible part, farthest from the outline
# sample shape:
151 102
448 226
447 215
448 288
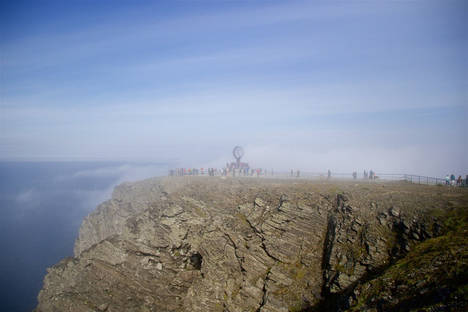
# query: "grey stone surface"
212 244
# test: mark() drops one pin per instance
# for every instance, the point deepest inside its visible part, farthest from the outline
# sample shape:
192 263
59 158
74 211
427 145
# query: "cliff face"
213 244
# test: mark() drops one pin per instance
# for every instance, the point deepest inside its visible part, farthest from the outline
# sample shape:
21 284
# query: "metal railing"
423 179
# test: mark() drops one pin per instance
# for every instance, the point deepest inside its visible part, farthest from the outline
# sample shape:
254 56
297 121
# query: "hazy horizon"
309 85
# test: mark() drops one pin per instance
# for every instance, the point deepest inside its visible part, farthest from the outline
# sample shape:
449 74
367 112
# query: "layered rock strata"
214 244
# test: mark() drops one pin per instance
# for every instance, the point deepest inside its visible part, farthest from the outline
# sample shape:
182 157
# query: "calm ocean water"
42 205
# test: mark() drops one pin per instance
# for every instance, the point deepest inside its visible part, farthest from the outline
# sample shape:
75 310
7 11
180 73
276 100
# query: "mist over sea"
42 205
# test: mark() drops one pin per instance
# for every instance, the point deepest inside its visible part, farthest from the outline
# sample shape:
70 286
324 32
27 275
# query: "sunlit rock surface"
224 244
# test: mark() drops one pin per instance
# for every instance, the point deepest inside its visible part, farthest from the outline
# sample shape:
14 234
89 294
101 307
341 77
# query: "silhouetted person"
328 174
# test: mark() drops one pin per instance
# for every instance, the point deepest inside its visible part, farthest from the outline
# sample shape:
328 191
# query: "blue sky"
346 85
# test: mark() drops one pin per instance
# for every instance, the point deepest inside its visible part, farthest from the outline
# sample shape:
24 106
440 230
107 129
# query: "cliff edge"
224 244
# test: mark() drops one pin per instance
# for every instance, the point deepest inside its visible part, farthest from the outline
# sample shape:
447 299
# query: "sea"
42 205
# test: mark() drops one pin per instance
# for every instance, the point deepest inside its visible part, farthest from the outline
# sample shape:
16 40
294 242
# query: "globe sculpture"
238 153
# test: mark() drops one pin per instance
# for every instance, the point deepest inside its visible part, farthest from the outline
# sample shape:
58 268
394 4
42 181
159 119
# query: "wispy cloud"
125 172
27 197
118 174
189 82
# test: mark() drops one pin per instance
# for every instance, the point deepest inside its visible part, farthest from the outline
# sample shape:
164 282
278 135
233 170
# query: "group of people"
227 171
369 175
246 172
366 175
452 180
178 172
297 173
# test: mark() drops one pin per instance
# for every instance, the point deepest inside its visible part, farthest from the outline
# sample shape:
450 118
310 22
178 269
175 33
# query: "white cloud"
28 197
264 75
120 173
346 158
126 172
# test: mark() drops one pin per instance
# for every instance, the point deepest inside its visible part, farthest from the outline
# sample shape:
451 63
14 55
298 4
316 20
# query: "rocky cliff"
214 244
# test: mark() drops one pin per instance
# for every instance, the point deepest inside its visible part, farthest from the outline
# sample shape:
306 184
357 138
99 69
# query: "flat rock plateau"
246 244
